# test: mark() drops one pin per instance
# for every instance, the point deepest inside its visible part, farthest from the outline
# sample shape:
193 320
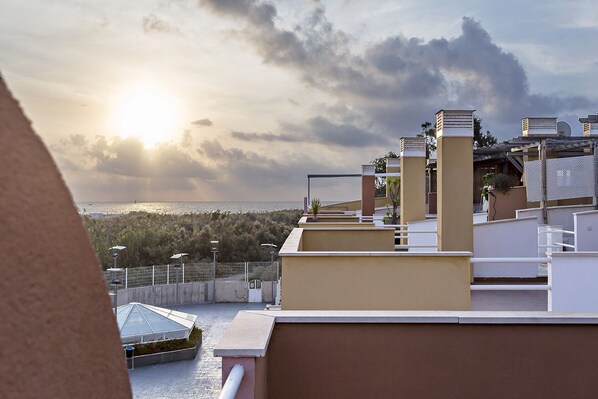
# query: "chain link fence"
193 272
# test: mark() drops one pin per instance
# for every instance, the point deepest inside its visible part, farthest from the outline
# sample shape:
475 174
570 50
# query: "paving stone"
198 378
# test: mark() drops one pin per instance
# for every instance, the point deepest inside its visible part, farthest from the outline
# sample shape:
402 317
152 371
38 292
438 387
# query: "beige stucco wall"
350 239
364 282
413 189
455 190
58 336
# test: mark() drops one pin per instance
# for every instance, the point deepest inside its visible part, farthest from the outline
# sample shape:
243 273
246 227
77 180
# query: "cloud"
202 122
398 82
265 137
152 24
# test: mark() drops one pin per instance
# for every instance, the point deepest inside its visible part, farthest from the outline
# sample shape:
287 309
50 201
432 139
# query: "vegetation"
486 184
170 345
315 208
152 238
429 132
380 167
394 191
503 183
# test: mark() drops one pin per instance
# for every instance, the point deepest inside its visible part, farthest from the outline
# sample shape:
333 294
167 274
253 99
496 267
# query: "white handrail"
414 246
556 231
565 245
229 390
509 287
509 260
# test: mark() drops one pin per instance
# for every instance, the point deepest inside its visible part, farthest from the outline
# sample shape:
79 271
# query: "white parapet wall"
586 230
422 242
506 238
573 282
557 215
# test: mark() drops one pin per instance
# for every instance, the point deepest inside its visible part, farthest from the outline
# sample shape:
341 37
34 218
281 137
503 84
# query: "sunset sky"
180 100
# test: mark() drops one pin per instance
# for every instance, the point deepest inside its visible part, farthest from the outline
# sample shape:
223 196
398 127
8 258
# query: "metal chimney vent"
539 126
413 146
454 123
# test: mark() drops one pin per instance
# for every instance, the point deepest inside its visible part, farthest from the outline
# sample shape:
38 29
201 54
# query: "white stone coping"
249 333
593 212
526 218
389 254
247 336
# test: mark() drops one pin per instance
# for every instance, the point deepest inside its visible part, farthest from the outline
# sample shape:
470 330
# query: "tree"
380 167
481 139
429 132
394 191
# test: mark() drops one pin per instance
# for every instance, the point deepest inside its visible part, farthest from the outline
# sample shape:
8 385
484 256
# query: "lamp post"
214 250
271 248
177 267
115 282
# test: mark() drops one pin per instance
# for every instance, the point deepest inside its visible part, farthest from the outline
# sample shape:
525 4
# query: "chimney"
454 133
413 179
538 127
590 125
368 190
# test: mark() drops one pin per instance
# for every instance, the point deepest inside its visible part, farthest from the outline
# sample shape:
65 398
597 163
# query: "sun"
147 113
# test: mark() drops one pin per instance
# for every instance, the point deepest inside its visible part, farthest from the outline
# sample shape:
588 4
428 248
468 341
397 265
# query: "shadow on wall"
59 337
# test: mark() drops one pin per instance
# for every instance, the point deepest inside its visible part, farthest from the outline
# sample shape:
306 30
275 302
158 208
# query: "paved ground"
199 378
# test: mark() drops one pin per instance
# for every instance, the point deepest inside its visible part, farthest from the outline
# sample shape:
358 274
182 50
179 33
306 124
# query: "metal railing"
509 287
195 272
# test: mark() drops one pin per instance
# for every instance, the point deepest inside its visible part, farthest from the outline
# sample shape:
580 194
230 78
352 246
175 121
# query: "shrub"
170 345
503 183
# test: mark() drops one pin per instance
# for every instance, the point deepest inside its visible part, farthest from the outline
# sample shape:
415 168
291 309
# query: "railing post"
153 275
183 273
126 278
167 274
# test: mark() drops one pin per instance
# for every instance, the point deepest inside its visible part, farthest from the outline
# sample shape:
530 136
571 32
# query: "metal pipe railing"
509 260
231 386
510 287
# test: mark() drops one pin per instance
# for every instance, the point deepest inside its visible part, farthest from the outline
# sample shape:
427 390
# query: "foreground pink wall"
58 337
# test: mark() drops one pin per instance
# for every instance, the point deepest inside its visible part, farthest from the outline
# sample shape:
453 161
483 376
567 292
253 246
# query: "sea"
102 209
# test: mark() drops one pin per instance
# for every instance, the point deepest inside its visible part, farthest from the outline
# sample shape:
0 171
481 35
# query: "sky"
214 100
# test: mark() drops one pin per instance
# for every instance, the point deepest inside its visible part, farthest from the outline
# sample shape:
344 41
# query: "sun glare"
146 113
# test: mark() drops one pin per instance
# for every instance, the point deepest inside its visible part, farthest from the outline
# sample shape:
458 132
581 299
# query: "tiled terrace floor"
201 378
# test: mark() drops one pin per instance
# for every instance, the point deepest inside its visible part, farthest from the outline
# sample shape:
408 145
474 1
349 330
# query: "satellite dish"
563 129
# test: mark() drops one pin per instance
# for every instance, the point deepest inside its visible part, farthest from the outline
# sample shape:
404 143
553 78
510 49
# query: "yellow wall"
340 225
455 191
413 189
350 239
390 282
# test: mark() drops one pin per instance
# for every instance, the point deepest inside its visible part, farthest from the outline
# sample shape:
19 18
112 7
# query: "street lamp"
214 250
177 267
115 282
271 248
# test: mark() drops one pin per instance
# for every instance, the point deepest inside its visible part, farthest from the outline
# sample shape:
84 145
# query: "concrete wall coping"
580 254
376 254
334 228
249 333
526 218
247 336
586 212
556 207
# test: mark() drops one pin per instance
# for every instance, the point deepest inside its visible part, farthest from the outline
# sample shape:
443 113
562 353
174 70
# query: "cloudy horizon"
244 98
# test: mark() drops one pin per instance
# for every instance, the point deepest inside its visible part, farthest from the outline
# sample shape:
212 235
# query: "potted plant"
315 208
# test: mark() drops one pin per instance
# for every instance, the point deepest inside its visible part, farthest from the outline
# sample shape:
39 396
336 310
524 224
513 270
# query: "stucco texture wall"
349 239
58 337
376 283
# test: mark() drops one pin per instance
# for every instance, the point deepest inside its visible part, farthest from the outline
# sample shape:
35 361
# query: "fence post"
153 275
167 274
126 278
183 273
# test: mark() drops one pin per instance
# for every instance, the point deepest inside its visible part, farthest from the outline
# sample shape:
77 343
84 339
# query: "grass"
171 345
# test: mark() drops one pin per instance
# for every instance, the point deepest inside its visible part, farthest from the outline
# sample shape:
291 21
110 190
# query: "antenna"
563 129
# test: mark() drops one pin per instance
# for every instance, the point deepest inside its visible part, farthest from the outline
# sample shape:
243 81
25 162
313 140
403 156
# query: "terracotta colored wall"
349 239
368 195
432 361
58 337
254 384
503 206
391 282
432 204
